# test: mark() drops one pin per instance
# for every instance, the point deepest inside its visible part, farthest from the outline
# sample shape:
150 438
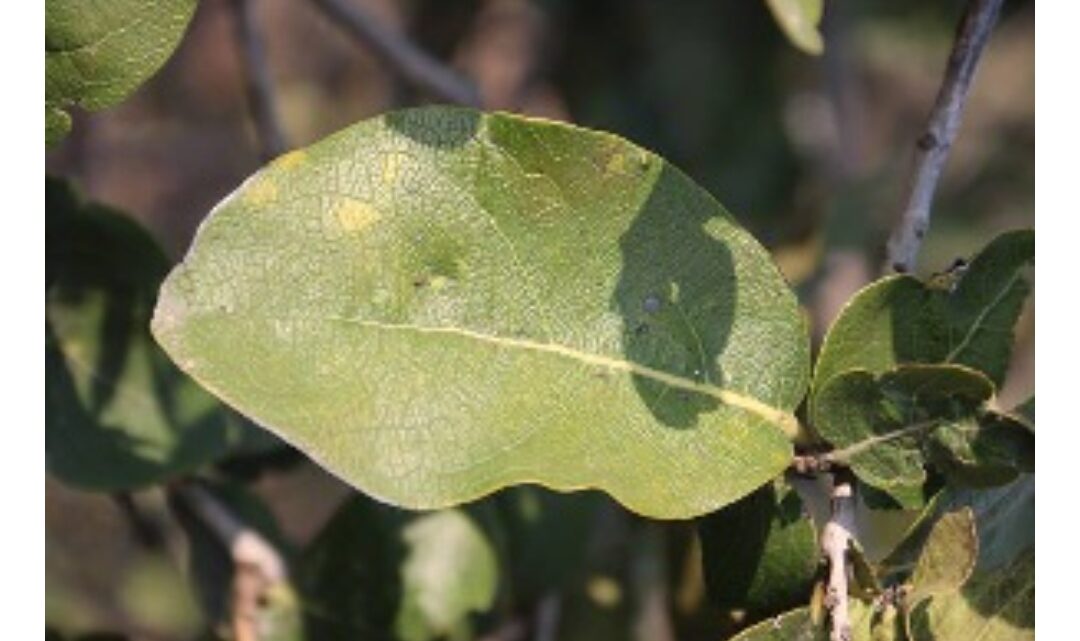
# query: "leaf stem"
932 147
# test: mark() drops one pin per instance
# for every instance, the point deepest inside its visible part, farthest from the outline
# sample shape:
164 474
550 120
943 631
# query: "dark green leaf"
438 303
1004 522
880 425
118 413
379 573
968 321
760 553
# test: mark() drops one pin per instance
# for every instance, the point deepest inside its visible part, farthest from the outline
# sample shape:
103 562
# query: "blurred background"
811 153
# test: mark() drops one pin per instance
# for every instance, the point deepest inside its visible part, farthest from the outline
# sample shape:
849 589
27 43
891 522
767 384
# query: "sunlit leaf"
438 303
966 320
799 20
949 556
97 52
992 606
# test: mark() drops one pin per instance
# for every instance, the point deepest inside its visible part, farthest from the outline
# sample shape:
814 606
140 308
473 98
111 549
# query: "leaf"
376 572
798 625
438 303
984 450
119 414
949 556
546 536
968 321
799 20
880 425
1004 522
98 53
760 553
993 606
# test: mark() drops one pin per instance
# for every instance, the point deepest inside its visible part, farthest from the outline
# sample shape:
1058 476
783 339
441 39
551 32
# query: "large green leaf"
97 52
799 20
118 413
760 553
438 302
376 572
968 321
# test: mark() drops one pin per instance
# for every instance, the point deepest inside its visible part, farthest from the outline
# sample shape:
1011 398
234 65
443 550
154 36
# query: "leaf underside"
437 303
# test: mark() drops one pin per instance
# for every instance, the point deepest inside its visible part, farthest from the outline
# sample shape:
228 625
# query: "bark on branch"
397 51
260 91
835 539
932 148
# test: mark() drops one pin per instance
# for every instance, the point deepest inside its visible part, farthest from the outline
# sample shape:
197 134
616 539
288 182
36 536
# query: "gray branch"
260 91
398 52
835 538
932 148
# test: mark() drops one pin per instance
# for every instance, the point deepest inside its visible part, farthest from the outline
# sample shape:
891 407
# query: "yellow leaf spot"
355 215
439 282
291 159
261 192
616 164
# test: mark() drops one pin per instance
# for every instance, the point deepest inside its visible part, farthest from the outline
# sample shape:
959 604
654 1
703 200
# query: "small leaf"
948 557
375 571
799 20
984 450
880 425
992 606
900 319
760 553
120 415
98 53
438 303
1004 522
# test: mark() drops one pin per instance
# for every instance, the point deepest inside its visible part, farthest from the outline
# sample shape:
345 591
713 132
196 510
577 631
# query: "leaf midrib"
783 420
977 324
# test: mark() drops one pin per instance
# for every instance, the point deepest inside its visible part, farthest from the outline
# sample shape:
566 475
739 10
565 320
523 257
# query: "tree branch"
258 566
835 538
404 57
260 92
932 148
